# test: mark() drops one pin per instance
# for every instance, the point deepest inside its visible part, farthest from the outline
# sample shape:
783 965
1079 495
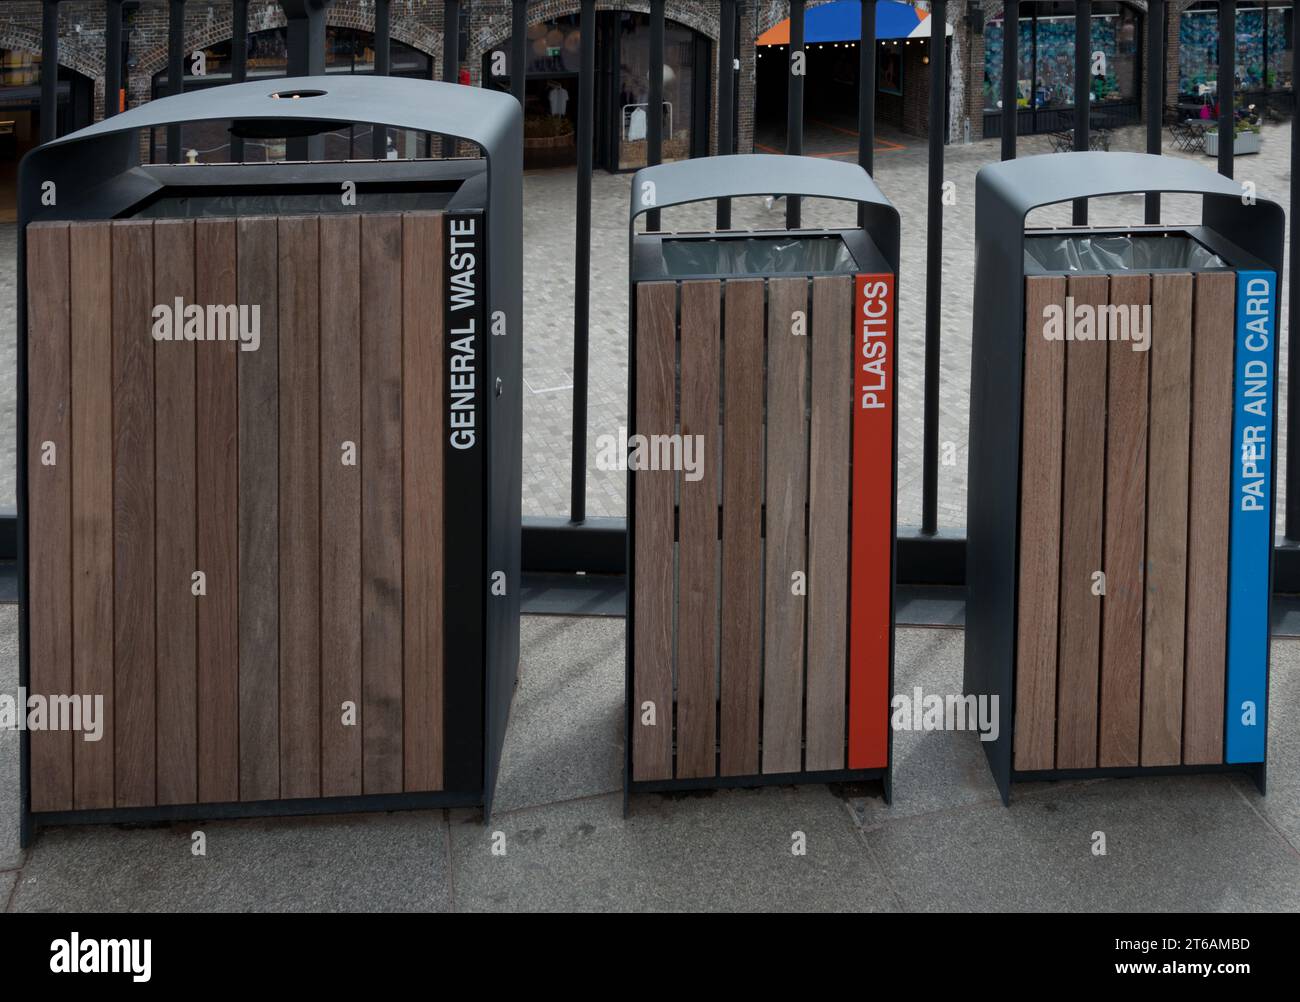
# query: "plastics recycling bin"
269 460
1122 485
761 485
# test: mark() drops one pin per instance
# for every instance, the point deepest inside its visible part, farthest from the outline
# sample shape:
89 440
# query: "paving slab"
728 850
565 738
1188 843
10 801
375 862
7 880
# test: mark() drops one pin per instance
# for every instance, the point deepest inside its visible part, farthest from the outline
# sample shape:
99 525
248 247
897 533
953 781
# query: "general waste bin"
1122 457
270 460
761 486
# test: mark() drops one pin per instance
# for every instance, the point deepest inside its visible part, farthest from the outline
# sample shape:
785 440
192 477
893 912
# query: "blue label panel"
1251 531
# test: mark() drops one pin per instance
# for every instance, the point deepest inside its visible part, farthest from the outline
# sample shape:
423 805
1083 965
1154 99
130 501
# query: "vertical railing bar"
1082 91
1010 77
654 133
1227 73
794 112
112 56
383 67
1293 349
867 95
582 276
726 96
238 62
519 50
934 264
1155 93
175 70
450 58
50 71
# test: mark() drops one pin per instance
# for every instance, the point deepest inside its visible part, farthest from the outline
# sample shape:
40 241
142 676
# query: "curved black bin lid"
758 174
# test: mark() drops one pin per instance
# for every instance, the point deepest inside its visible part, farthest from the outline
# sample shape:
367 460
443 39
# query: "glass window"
634 90
1263 48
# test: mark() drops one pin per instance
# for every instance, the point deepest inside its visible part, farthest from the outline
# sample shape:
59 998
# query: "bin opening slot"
757 255
1111 252
182 204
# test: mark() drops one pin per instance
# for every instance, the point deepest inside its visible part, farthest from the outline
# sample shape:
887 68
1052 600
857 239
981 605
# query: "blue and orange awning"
841 21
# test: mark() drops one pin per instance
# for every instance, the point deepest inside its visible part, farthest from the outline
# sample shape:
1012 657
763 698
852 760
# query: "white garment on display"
637 126
559 100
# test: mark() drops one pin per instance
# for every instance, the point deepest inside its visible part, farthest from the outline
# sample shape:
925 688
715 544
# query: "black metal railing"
933 555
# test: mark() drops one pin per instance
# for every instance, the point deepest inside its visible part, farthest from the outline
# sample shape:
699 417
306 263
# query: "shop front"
622 90
1045 55
1263 56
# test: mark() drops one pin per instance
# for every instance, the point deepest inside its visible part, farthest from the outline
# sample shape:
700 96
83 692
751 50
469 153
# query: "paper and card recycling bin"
1122 474
761 486
270 460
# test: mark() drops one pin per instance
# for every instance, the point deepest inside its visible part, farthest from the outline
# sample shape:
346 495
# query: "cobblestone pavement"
549 239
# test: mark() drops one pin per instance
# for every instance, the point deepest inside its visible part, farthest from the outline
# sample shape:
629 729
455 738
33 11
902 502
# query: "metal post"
1227 81
794 111
1155 26
175 70
50 71
383 67
934 264
1293 355
112 57
238 62
519 50
450 57
582 277
306 37
867 92
1010 77
1082 90
654 133
726 97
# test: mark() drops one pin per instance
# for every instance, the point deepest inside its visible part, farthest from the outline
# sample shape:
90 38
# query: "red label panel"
871 570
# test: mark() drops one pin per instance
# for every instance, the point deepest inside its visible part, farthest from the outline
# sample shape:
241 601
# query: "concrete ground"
1187 843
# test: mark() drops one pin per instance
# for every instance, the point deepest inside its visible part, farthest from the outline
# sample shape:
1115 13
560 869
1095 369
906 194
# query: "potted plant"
1246 135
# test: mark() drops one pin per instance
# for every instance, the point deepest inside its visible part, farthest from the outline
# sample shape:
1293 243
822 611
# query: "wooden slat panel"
697 589
381 502
175 547
1043 429
1126 474
1081 538
422 514
787 494
742 527
49 499
299 263
652 598
830 454
259 537
133 515
340 390
1170 430
91 249
1209 503
217 480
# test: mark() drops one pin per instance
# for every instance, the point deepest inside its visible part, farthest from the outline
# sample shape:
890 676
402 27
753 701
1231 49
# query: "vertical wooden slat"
340 531
300 583
787 493
1043 428
133 515
1167 542
259 519
381 502
1209 502
91 250
175 550
742 527
1126 474
652 598
217 483
422 514
697 589
49 500
1083 498
830 452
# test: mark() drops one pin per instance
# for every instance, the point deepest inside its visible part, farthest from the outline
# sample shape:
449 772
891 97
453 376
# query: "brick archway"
82 59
